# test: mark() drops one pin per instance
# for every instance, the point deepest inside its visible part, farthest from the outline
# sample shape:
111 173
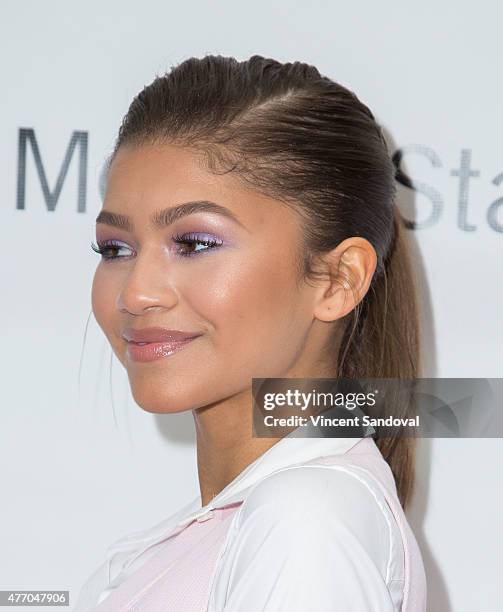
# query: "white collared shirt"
304 537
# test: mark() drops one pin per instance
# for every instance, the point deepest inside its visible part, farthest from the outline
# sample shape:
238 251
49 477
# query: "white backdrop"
72 480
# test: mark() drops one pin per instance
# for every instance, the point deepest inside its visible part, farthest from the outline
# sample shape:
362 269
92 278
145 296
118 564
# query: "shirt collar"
288 451
299 446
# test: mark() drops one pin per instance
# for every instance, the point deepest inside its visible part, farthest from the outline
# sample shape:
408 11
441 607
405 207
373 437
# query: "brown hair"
303 139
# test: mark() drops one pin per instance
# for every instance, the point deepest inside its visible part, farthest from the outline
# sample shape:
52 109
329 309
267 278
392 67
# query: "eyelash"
103 247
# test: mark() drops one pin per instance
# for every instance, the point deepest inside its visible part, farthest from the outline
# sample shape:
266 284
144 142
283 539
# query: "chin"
162 401
165 409
162 406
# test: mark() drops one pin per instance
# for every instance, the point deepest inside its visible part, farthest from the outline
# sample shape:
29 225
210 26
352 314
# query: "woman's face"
239 291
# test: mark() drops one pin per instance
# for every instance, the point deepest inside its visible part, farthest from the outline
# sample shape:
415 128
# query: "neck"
225 446
224 432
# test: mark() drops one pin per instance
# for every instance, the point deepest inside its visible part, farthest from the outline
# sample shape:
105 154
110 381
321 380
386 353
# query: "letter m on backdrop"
51 197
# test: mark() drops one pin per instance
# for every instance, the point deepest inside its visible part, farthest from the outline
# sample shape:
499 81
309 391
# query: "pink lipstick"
152 343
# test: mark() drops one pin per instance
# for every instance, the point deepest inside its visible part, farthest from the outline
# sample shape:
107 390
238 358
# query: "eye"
104 249
200 243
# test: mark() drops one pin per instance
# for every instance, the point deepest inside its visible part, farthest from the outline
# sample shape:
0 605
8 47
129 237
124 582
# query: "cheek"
249 303
102 299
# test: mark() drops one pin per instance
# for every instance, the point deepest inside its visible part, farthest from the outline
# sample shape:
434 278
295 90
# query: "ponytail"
383 342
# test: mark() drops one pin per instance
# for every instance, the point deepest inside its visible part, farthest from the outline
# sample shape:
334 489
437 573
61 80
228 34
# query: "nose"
148 284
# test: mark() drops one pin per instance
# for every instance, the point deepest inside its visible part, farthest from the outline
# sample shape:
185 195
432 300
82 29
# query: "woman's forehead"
148 178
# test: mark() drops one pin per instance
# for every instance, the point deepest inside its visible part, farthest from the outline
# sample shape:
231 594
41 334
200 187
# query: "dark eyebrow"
167 216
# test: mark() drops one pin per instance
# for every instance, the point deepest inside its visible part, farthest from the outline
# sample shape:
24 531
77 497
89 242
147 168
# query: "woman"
249 231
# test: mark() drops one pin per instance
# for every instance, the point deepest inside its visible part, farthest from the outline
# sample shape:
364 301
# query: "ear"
350 268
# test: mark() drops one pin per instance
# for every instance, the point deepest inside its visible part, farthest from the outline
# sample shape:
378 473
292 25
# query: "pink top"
312 524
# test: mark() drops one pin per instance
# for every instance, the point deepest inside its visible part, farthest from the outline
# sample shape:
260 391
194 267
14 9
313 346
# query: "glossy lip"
157 334
155 350
151 343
